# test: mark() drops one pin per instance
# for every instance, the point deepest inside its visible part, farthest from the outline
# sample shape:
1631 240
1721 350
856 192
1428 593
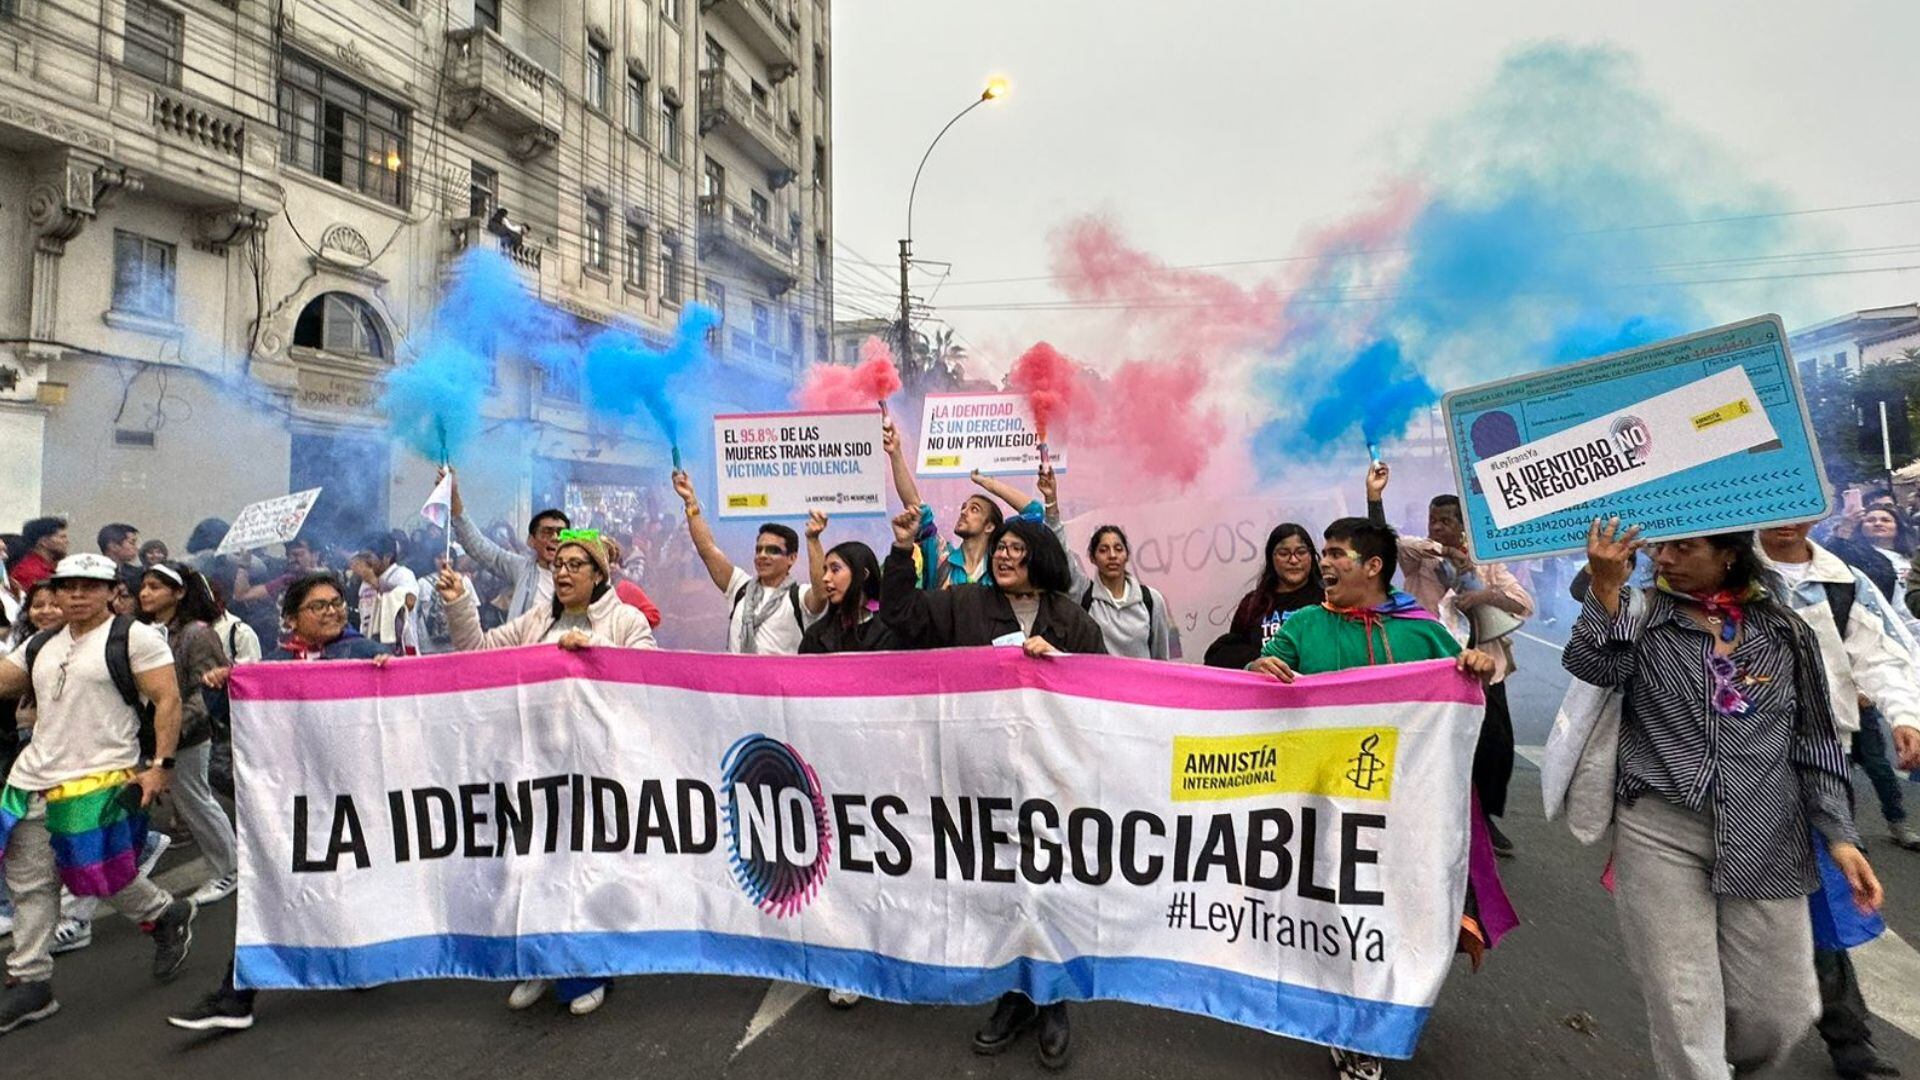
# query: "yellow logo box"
936 461
745 502
1348 763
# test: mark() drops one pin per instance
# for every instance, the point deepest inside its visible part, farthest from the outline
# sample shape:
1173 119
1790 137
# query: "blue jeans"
1870 753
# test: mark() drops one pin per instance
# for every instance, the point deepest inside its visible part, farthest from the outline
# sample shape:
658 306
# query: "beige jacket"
1421 561
614 624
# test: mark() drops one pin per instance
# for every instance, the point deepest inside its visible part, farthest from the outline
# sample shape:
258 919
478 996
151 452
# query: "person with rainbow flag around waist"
73 810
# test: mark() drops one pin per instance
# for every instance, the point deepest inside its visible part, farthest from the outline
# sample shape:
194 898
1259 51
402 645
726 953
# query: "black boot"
1860 1061
1013 1014
1056 1038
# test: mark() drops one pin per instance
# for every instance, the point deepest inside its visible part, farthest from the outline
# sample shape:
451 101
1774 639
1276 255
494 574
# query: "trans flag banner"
1289 857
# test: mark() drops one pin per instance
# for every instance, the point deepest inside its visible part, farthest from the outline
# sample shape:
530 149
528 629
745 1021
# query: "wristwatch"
163 763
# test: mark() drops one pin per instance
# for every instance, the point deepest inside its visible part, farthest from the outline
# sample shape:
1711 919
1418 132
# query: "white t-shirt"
779 630
1793 573
84 726
381 608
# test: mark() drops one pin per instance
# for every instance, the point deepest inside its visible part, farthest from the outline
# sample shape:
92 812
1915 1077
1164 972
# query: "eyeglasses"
1728 700
547 532
1009 548
770 549
1293 554
321 607
572 566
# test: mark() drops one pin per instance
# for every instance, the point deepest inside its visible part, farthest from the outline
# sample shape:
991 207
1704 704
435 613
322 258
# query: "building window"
152 42
716 56
636 268
713 180
762 209
594 236
819 69
486 14
342 323
483 191
717 298
820 266
636 104
670 9
819 161
796 335
670 270
670 129
143 276
759 93
762 321
596 89
339 131
820 346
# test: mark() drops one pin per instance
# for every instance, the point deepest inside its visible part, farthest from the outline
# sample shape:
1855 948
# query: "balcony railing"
725 103
766 27
727 226
491 80
182 117
473 232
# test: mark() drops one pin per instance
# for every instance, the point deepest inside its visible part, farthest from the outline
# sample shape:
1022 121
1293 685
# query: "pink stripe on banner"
945 672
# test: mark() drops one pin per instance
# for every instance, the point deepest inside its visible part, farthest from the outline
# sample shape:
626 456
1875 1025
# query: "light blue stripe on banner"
1300 1012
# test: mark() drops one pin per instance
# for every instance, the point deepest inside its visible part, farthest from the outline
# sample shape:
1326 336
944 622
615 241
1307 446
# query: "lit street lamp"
996 89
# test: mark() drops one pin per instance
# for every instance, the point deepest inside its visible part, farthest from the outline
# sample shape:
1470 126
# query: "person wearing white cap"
89 679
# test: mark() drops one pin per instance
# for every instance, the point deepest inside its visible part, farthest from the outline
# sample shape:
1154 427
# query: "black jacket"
826 635
974 614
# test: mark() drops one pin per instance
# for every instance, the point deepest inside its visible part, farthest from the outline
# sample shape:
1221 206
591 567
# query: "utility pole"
907 366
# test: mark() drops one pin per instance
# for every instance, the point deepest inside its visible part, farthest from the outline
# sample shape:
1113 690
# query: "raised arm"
1004 491
1049 486
816 597
1378 474
486 554
903 482
719 567
1601 649
908 610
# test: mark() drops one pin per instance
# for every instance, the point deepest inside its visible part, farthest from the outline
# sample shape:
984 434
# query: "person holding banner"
1727 754
847 581
942 564
1483 603
314 608
770 611
1362 608
1134 618
1025 604
586 612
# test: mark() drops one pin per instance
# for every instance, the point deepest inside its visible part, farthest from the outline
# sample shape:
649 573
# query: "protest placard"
1290 857
1700 434
772 465
269 521
994 433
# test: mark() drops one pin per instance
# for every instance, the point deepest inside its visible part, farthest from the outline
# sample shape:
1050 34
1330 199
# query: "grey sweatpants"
1726 980
194 801
34 883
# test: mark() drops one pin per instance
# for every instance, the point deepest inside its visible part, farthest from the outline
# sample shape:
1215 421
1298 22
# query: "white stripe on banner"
934 829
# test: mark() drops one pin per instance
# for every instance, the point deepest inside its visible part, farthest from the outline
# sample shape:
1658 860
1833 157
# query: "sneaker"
1348 1065
588 1001
25 1002
72 935
216 890
1904 836
842 999
172 939
526 993
1502 847
218 1011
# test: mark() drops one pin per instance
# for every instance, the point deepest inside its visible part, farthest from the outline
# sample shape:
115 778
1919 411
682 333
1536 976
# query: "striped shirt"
1763 775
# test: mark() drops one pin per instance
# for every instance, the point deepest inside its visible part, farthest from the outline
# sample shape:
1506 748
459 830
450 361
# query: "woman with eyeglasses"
1289 581
1728 766
314 611
1025 602
585 612
1133 616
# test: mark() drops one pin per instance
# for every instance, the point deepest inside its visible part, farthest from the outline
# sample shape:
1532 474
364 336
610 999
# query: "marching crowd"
1750 669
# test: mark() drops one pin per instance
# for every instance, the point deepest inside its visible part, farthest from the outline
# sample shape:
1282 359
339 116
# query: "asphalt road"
1555 1000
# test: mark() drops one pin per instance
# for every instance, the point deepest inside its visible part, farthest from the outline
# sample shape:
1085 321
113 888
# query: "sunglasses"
770 549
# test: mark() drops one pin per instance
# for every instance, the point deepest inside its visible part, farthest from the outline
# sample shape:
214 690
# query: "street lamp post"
995 89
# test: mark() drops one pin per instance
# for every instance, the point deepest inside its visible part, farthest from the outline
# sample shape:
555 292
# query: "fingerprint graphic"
772 877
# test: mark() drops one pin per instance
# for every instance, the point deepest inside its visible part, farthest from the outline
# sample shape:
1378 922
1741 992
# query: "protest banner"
994 433
1700 434
1289 857
269 521
772 465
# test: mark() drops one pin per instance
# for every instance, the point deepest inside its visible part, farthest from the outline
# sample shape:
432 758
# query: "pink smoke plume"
1048 379
832 386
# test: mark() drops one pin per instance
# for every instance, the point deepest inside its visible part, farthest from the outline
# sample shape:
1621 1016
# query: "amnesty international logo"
1368 767
1314 761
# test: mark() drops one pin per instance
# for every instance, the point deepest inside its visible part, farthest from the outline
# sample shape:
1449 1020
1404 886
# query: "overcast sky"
1227 129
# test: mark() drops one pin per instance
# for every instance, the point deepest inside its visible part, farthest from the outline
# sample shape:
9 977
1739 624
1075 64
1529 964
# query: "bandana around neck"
1729 606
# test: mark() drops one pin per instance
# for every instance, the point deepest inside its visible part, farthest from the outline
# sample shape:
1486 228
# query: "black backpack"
119 667
1086 600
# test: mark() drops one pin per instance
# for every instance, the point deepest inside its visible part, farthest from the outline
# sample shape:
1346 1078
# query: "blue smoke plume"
1550 231
625 375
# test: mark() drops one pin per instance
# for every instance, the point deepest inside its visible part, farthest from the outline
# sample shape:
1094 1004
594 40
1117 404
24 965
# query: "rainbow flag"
96 837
